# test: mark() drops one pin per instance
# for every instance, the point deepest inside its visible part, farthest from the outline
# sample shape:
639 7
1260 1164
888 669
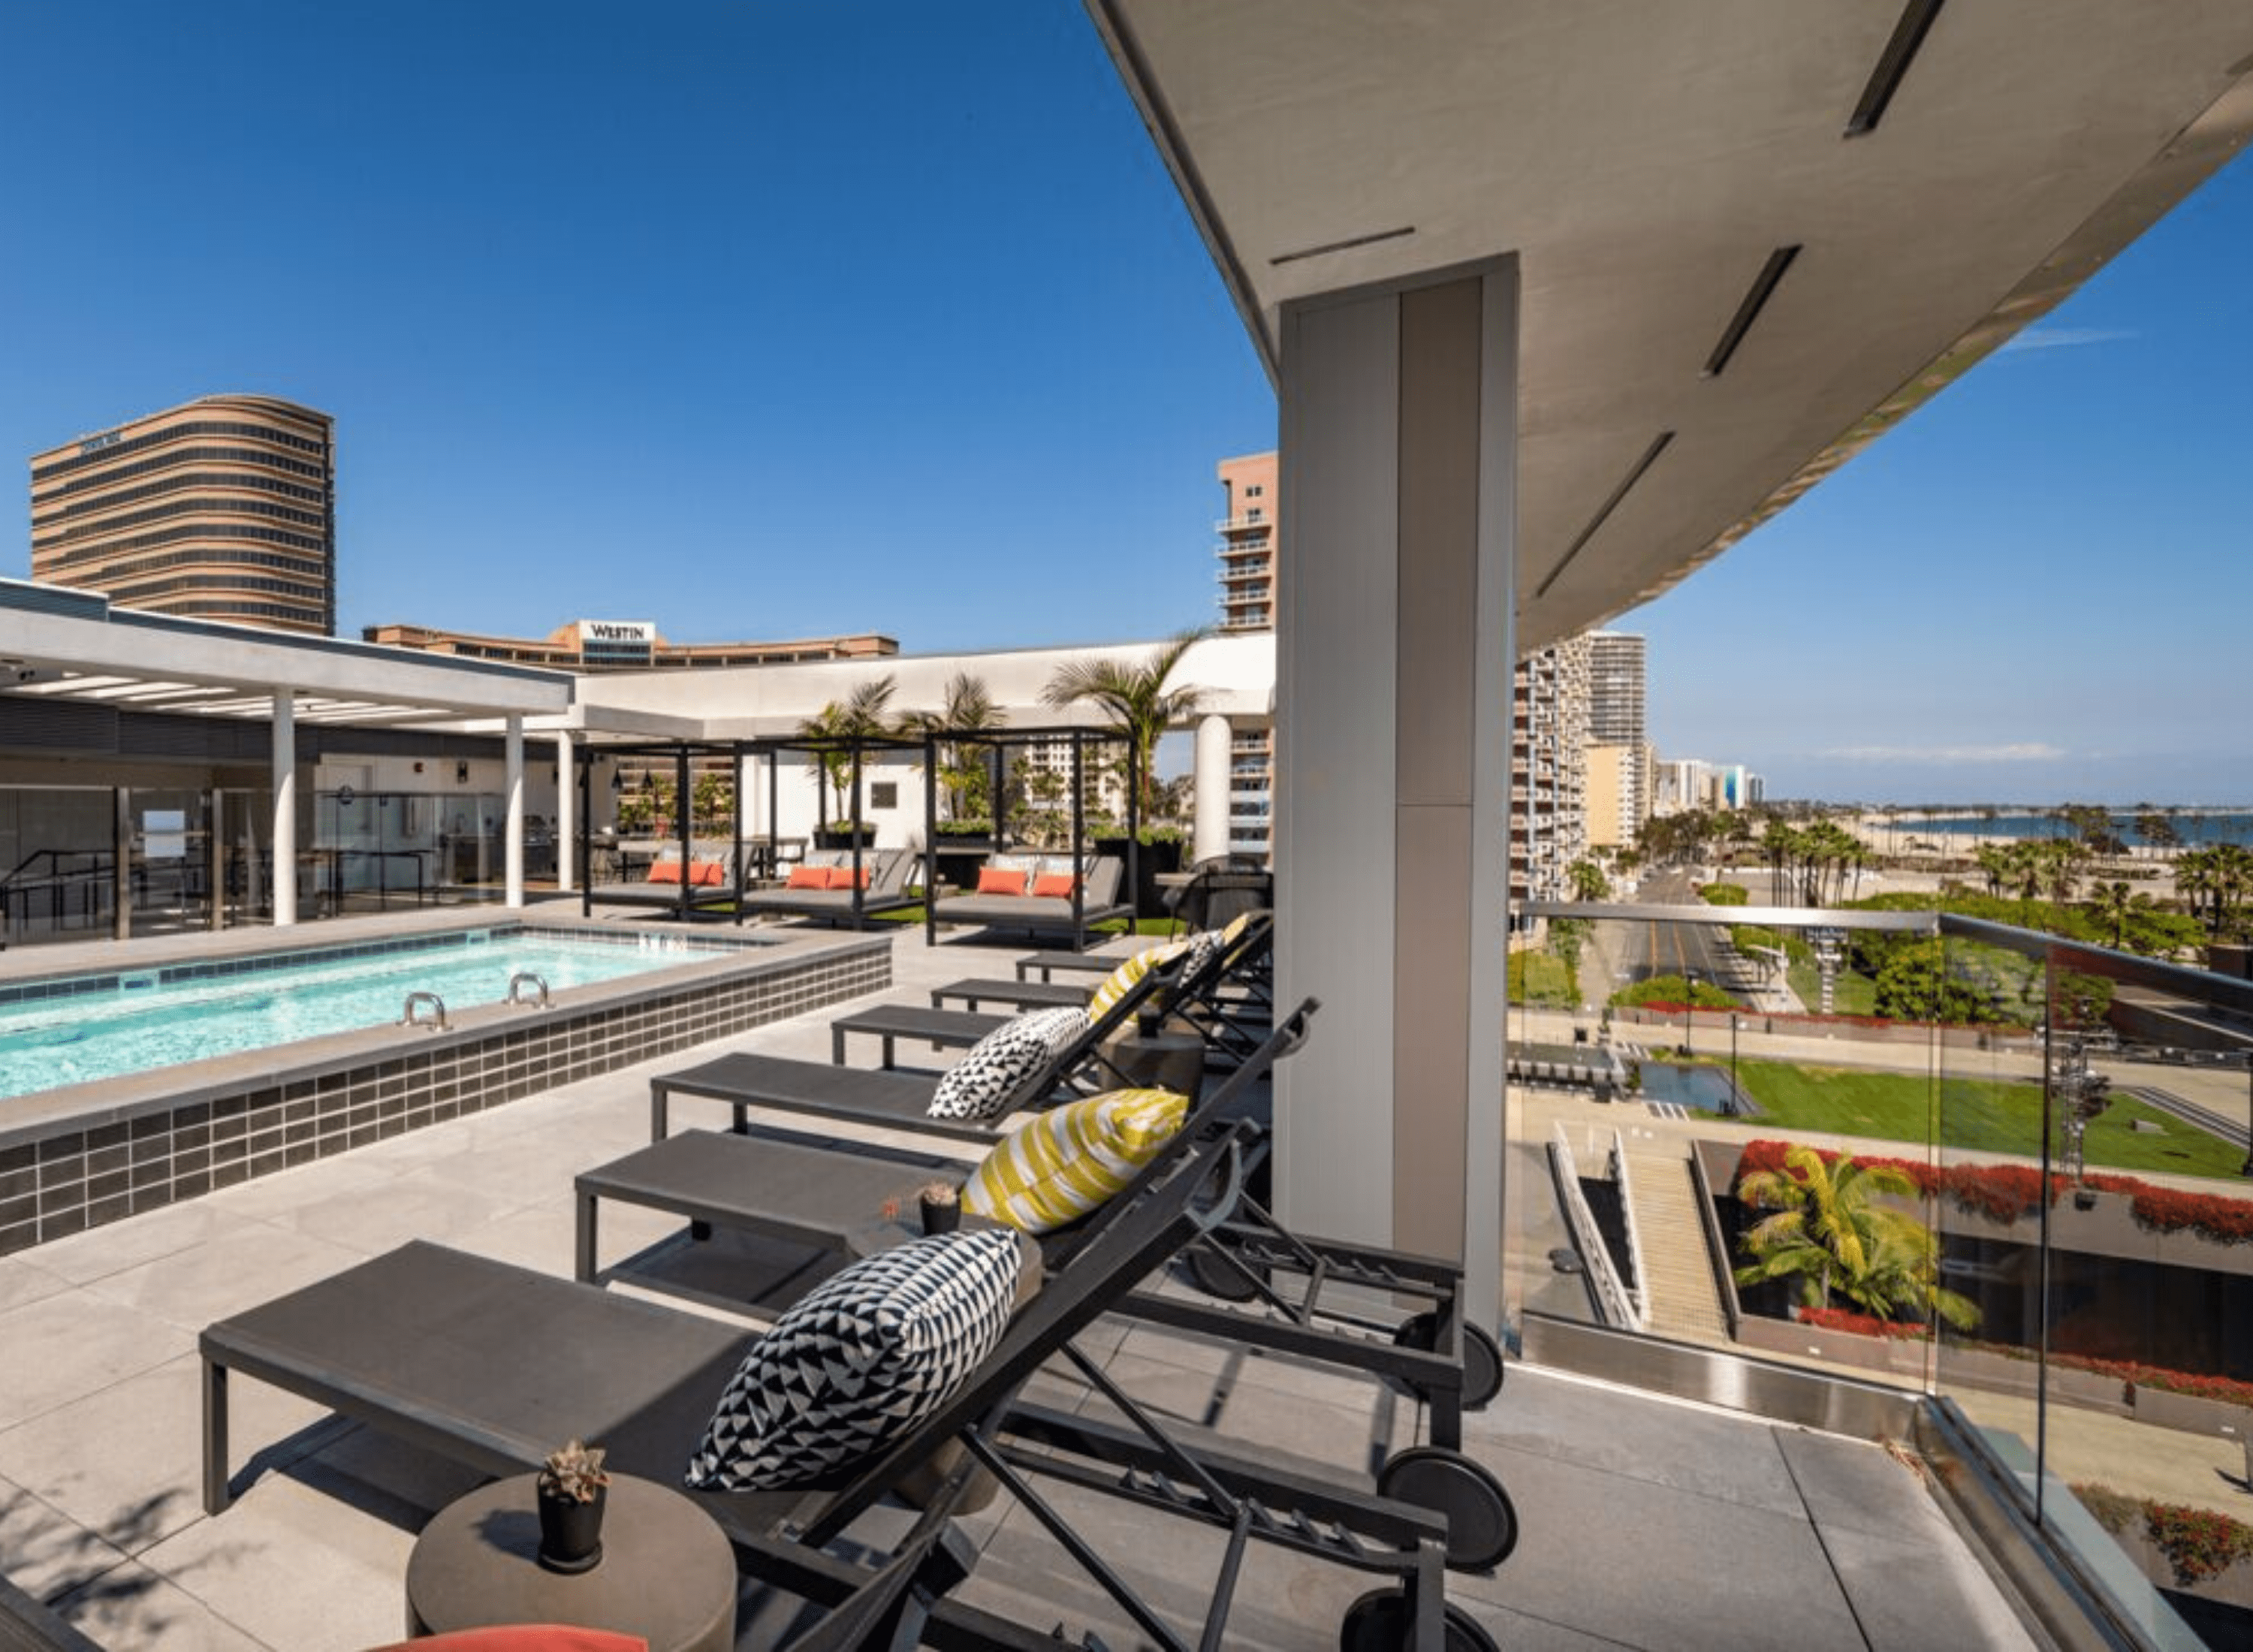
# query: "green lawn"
1850 994
1542 981
1982 1113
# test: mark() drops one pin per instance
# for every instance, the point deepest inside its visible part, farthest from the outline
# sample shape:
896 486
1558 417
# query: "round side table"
666 1572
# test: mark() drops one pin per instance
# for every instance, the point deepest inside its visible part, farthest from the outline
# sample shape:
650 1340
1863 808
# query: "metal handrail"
431 1000
517 980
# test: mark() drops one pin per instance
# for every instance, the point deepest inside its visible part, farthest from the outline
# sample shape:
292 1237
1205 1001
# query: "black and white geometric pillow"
867 1356
982 1084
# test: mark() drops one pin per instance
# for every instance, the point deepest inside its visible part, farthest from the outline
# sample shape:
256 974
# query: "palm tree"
836 733
2117 904
968 709
1140 704
1588 881
1827 1227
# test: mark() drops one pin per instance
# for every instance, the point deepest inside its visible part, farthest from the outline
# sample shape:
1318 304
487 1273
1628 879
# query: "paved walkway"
1647 1523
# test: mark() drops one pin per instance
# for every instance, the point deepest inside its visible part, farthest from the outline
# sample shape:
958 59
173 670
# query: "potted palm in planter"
572 1487
1141 705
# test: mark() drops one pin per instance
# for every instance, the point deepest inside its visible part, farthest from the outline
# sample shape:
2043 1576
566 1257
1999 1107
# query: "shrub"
2198 1542
1839 1319
1725 894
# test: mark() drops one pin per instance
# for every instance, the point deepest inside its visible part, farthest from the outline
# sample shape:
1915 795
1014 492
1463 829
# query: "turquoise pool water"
144 1020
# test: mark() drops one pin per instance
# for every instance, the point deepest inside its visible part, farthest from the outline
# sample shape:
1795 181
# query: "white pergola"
57 643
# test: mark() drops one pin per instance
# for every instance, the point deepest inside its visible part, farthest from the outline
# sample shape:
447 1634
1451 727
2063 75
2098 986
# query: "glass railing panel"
2138 1312
1660 1056
1988 994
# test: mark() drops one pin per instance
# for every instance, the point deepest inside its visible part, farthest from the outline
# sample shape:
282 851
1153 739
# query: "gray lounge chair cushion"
982 1084
862 1360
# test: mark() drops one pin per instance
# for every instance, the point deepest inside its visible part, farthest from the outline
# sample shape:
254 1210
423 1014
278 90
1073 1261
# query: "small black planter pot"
571 1532
941 1218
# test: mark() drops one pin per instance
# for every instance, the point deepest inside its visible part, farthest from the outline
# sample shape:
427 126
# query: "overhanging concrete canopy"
59 644
1652 163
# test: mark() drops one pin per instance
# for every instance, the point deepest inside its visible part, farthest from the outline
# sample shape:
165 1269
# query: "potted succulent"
942 1207
572 1485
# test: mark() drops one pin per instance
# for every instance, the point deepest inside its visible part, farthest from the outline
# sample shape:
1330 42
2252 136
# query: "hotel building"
625 644
1249 523
222 508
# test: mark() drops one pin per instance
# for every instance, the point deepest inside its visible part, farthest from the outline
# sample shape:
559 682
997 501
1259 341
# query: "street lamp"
1689 1017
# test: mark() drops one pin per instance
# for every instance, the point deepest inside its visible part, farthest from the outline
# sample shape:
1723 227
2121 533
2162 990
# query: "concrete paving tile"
116 1246
266 1198
1689 1447
1246 1420
418 1482
409 1208
1912 1589
1858 1486
1633 1560
133 1606
22 1282
1285 1601
126 1461
238 1270
541 1237
44 1552
294 1564
63 1347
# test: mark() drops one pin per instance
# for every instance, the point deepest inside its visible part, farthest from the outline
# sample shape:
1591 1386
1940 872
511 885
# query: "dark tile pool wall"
81 1178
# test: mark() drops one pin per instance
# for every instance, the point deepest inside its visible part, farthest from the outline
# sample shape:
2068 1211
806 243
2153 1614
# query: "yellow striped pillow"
1069 1160
1122 981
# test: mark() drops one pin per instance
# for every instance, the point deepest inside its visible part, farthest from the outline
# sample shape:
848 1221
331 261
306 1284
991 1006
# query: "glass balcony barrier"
1998 1169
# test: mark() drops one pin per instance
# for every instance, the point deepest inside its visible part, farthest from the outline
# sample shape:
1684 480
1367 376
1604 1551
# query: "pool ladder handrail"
437 1024
518 979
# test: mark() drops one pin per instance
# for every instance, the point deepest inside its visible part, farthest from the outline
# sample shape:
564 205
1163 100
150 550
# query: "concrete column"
566 812
285 808
1208 835
1394 652
513 828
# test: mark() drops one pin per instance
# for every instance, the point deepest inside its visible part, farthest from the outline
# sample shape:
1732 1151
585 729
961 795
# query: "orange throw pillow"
708 874
841 877
808 877
1061 883
665 872
995 880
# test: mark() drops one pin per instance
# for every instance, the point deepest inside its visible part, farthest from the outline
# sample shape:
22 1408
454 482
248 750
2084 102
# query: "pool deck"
1647 1522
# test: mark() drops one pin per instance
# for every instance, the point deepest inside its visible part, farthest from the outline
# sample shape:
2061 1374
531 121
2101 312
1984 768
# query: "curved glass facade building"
222 508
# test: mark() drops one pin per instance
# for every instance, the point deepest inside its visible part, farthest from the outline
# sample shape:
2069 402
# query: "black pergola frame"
686 902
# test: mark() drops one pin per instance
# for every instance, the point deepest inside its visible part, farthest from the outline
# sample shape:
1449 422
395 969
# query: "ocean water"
2194 830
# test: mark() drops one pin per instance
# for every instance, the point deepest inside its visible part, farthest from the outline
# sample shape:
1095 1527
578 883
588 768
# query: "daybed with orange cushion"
704 885
823 886
1035 893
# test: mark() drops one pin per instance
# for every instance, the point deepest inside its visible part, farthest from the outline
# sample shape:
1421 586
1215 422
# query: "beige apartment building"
221 508
626 645
1250 514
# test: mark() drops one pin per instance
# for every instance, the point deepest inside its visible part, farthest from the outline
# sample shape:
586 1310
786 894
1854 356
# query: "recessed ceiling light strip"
1893 64
1347 245
1650 457
1755 300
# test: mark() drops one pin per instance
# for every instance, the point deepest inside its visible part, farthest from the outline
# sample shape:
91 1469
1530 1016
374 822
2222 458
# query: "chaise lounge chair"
830 1198
705 883
489 1365
828 1095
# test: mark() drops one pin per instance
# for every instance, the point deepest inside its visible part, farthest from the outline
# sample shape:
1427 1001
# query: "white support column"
1208 835
512 830
284 761
1394 654
566 812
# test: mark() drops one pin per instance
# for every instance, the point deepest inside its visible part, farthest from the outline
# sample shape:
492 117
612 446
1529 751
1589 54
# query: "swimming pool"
74 1030
83 1152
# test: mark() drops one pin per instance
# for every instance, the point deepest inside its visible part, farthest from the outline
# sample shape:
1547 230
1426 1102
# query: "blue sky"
762 320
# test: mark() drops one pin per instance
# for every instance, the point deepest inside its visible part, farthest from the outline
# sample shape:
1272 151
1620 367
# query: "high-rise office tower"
223 508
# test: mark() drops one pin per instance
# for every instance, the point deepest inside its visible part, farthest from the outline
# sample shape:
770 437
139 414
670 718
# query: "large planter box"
2190 1414
1900 1360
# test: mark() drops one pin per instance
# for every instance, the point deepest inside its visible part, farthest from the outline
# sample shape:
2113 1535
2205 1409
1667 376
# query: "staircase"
1677 1279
